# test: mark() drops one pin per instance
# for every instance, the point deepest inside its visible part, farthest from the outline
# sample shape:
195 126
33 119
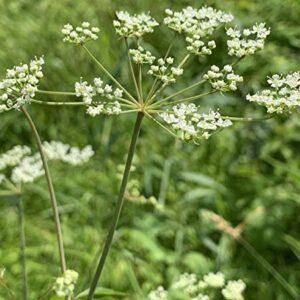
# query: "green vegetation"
248 174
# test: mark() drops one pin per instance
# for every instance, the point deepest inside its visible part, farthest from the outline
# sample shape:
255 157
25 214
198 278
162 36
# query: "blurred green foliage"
249 171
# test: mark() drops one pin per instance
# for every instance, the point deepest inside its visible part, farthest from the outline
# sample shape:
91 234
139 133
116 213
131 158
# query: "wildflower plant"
211 287
178 115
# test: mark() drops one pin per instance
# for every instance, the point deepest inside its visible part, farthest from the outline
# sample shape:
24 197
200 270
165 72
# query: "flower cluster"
20 84
234 290
64 286
283 95
87 92
80 34
197 25
223 80
211 287
26 167
140 56
248 41
165 71
133 26
190 124
159 294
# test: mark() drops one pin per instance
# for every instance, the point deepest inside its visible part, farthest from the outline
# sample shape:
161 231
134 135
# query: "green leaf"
294 243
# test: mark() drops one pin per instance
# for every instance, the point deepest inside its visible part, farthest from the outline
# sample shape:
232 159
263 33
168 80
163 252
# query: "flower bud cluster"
212 286
165 71
190 124
140 56
20 84
283 95
64 286
128 25
223 79
159 294
80 34
88 92
26 167
248 41
197 25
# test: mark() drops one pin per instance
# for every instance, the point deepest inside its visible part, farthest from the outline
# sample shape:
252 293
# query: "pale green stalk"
120 203
51 190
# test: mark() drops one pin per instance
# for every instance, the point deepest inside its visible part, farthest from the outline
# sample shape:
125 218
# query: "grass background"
248 171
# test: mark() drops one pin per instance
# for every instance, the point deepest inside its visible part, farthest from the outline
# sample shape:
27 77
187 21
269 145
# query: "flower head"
233 290
283 95
64 286
80 34
128 25
248 41
20 84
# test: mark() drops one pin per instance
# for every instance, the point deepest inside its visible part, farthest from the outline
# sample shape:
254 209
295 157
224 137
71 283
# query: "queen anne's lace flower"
64 286
234 290
223 80
197 25
80 34
140 56
165 70
190 124
159 294
187 283
128 25
20 84
88 92
283 95
201 297
248 41
13 156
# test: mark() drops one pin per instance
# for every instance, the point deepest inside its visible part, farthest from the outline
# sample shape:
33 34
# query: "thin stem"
51 190
158 104
23 248
161 125
183 91
51 103
8 290
293 292
108 74
132 71
57 93
247 119
118 209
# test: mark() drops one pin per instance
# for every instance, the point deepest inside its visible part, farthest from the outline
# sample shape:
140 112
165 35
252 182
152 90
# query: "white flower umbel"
64 286
20 84
214 280
234 290
13 156
165 70
190 124
56 150
27 168
283 95
223 79
128 25
187 283
201 297
80 34
248 41
140 56
159 294
89 92
197 25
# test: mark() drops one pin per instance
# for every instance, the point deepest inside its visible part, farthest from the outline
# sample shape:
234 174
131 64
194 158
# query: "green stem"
132 71
108 73
23 249
293 292
247 119
118 209
55 93
51 103
51 190
183 91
